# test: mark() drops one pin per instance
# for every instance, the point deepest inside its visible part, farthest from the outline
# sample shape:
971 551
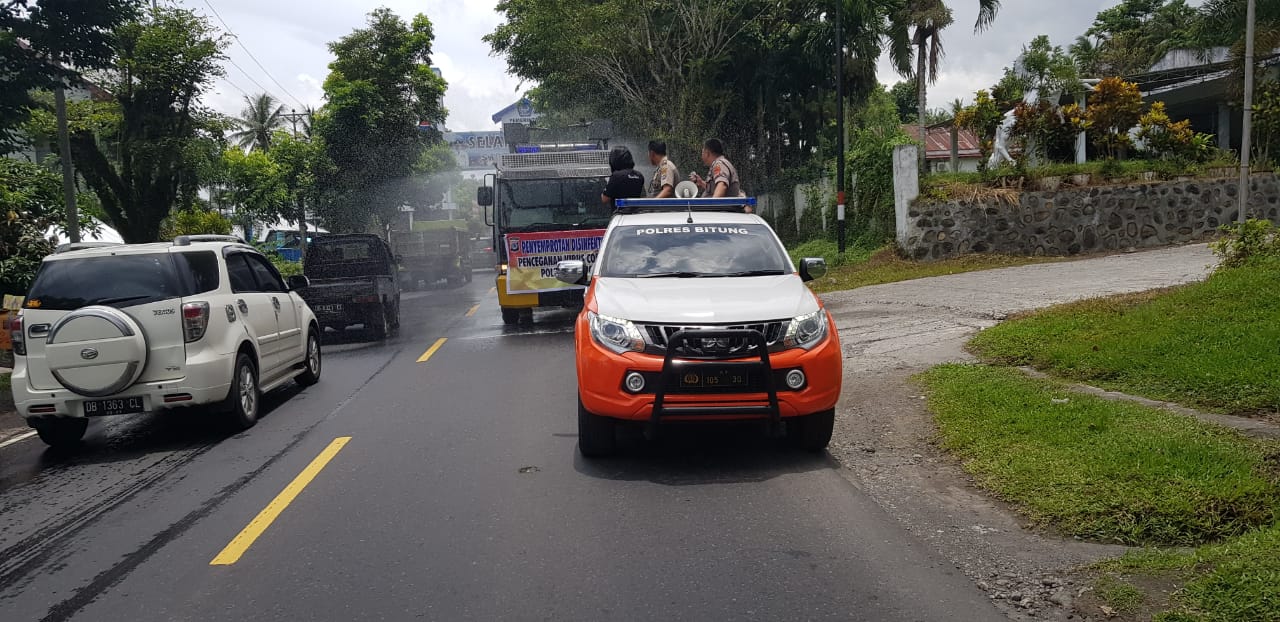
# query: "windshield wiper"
755 273
672 275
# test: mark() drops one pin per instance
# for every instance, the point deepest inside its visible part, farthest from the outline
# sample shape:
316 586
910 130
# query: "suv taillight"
17 336
195 319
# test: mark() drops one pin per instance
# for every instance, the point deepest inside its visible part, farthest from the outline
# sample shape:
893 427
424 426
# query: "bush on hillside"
1244 243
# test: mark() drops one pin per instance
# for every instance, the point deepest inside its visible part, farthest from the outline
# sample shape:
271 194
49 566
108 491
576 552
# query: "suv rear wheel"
61 432
244 399
597 436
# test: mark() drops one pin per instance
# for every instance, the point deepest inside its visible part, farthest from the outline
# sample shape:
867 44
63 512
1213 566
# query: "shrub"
1115 106
1244 243
195 222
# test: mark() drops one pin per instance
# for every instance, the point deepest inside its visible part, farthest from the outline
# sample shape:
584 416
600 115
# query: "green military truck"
435 250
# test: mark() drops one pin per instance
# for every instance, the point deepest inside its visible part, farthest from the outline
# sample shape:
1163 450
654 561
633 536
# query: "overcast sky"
288 37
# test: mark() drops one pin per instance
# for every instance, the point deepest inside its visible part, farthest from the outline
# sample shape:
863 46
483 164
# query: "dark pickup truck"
354 280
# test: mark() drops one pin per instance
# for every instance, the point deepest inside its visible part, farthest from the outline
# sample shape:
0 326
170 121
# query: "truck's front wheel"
597 436
812 432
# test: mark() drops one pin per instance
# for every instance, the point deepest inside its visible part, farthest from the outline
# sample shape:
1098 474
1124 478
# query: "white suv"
124 329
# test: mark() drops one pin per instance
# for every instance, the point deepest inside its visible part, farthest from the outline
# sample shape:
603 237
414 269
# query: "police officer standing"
722 179
663 184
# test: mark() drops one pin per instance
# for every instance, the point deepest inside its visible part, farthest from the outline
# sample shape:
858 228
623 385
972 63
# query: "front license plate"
330 309
713 379
119 406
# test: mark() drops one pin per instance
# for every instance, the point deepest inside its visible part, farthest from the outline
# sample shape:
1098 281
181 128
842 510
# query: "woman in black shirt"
625 182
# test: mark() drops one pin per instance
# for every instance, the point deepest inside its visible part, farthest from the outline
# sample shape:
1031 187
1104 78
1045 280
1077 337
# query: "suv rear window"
693 250
201 269
118 281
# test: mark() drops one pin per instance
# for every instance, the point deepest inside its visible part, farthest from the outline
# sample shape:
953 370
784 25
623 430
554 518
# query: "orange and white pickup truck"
694 312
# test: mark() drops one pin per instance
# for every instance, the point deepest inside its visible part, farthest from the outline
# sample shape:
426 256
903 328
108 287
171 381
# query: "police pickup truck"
695 312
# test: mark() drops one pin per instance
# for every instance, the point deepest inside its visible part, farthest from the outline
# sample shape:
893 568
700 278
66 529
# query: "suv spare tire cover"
96 351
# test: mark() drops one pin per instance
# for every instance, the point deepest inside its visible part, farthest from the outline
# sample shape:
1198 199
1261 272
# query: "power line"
251 56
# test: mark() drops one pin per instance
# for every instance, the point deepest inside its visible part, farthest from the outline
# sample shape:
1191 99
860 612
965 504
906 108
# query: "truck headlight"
615 334
807 330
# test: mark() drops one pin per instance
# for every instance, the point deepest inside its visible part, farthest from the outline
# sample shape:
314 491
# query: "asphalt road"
440 480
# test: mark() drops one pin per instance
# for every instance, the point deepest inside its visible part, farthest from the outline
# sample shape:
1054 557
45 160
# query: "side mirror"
812 268
484 196
571 272
297 282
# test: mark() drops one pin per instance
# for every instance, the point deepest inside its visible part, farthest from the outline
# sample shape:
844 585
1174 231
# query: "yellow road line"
473 310
432 350
243 540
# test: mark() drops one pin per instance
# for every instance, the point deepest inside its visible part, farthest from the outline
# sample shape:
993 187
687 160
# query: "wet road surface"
435 476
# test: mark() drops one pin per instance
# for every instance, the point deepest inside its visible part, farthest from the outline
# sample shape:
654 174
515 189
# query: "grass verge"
862 267
1212 345
1101 470
1237 580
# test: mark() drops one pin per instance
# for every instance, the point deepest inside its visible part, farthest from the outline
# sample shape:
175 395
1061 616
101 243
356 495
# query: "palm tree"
260 117
927 19
987 10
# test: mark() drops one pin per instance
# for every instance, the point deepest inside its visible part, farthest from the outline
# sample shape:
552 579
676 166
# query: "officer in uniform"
722 179
663 183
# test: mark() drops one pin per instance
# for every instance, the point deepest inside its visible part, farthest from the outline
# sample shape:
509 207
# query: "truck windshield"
546 203
690 251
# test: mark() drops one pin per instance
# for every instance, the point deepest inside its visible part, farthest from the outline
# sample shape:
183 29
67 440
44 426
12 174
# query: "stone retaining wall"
1072 221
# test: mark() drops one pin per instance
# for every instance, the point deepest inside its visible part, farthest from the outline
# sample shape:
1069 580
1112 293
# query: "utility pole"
839 127
1246 140
64 155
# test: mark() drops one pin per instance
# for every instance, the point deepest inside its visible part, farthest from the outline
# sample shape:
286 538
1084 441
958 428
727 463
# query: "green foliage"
1245 243
1266 121
906 100
1115 106
75 34
675 69
254 187
258 121
30 203
1209 345
1050 70
983 118
1116 472
195 222
1046 132
1130 37
379 88
301 163
137 163
874 132
1165 139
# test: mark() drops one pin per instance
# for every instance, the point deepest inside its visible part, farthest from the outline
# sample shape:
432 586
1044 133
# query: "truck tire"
61 432
510 317
597 436
378 325
812 433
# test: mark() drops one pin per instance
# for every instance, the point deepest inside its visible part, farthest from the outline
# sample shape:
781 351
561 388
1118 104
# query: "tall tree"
987 10
927 19
1128 38
380 87
135 163
259 119
47 42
